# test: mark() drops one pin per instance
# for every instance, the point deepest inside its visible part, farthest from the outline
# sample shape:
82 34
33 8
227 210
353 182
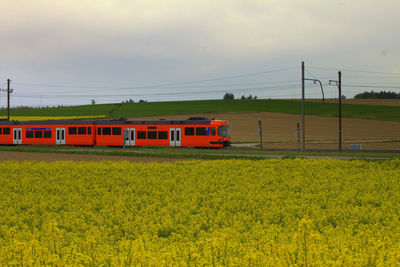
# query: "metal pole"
302 108
8 99
260 129
298 135
340 110
322 90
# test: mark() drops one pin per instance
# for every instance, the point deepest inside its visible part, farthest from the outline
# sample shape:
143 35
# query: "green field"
214 106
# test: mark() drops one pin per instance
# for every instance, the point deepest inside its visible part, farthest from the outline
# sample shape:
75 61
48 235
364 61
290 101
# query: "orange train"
194 132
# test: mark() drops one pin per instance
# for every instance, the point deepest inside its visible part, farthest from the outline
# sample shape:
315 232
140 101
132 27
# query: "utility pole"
8 99
339 85
8 90
340 110
303 134
298 134
260 132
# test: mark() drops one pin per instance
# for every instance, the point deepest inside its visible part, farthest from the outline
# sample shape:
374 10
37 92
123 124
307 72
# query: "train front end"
223 136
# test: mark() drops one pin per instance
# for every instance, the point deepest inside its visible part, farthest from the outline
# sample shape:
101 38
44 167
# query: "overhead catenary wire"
359 71
271 88
191 87
372 77
370 86
157 85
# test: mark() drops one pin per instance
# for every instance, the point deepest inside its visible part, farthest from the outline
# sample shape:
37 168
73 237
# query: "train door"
174 137
17 136
129 136
60 136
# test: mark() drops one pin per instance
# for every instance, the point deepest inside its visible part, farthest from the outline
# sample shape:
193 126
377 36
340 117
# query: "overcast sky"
67 52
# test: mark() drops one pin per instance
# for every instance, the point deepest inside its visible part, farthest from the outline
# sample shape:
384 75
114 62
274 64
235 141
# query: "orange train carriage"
194 132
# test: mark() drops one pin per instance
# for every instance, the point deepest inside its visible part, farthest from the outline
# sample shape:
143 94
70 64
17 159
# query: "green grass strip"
129 110
198 153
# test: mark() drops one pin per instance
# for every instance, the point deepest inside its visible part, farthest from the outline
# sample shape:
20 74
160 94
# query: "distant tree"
142 101
131 100
229 96
375 95
248 97
93 102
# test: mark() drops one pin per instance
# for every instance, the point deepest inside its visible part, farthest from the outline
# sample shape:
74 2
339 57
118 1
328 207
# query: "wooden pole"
302 109
8 99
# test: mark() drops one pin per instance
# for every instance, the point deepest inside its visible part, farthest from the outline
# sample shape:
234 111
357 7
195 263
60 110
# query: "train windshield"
223 131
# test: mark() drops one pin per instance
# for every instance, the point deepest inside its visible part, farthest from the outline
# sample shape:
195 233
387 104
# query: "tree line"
376 95
229 96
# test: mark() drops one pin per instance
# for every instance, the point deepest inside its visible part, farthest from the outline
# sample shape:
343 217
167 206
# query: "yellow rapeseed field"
292 212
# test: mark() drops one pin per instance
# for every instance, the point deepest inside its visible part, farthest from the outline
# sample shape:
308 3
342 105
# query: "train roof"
109 122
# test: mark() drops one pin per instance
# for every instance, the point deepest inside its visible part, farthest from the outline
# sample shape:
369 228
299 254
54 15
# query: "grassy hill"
215 106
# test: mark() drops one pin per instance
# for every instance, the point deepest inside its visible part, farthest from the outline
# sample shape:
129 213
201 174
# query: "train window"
81 130
201 131
89 130
6 130
1 130
141 135
99 131
163 135
116 130
38 134
223 131
152 135
29 134
47 134
189 131
213 132
71 130
106 130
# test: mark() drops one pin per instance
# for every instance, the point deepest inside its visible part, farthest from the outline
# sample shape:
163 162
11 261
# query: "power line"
371 77
309 72
159 85
195 86
371 86
382 83
360 71
271 88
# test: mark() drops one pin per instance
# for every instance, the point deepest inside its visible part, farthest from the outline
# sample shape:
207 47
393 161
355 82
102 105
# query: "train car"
194 132
51 132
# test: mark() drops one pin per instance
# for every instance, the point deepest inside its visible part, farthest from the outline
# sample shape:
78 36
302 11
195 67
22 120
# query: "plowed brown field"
321 132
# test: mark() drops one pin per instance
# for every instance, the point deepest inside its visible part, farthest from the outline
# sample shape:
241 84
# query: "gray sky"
67 52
